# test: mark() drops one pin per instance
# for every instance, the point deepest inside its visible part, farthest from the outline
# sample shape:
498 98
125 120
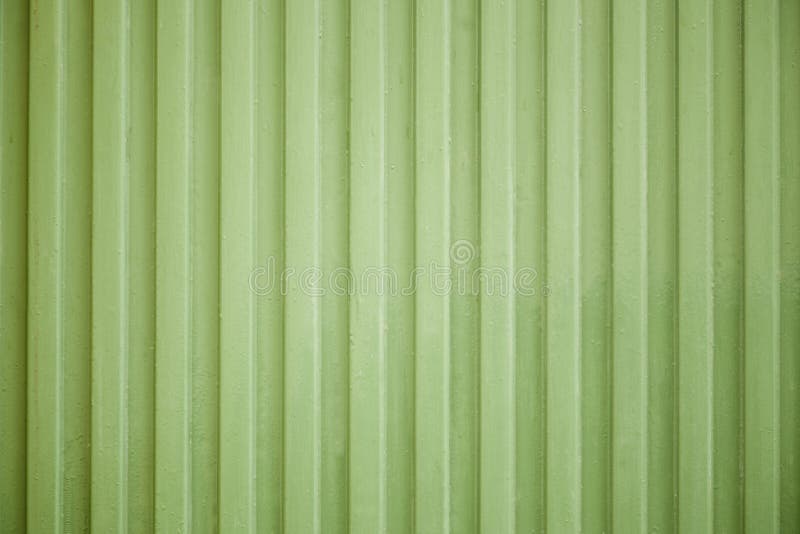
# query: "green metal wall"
637 160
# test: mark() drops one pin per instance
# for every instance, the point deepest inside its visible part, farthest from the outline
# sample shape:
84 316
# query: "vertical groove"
204 268
125 275
284 263
447 238
511 265
187 261
611 309
316 435
676 301
576 300
382 24
414 247
382 257
59 274
644 207
253 74
546 288
317 360
349 261
479 226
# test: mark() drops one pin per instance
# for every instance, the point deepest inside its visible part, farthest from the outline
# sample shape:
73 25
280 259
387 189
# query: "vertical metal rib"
368 255
789 195
59 282
463 50
141 165
238 238
270 93
596 68
14 38
432 191
174 206
762 248
696 252
111 284
564 436
498 219
661 251
630 294
529 281
303 247
400 253
728 294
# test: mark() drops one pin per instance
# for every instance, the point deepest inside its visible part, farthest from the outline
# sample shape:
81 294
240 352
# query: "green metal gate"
400 265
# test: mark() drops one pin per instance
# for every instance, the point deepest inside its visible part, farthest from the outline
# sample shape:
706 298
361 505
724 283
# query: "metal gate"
400 265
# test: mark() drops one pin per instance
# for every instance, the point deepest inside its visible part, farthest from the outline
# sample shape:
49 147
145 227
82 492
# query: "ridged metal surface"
629 169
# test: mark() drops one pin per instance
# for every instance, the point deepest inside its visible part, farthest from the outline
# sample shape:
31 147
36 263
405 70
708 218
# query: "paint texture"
326 266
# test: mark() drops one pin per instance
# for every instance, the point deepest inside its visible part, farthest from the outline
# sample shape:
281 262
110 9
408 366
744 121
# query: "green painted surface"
392 266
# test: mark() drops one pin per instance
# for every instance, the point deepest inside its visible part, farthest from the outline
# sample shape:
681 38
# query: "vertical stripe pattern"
400 266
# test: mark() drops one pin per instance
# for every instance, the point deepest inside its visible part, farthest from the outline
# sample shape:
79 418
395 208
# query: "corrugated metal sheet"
394 266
